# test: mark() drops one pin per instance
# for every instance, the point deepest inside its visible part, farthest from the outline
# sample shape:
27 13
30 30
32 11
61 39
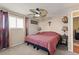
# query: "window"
12 22
15 22
19 23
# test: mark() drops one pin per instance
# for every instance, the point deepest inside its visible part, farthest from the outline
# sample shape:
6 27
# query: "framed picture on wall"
34 22
65 19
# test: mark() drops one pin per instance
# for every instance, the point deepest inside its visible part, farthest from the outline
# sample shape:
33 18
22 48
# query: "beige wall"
56 24
32 28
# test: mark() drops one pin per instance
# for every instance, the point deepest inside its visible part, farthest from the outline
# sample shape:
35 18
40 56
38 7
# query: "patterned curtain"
4 29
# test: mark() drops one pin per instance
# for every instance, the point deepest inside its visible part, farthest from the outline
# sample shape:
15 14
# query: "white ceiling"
52 8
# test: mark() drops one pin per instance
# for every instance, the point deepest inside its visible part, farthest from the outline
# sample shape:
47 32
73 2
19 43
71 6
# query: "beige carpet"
28 50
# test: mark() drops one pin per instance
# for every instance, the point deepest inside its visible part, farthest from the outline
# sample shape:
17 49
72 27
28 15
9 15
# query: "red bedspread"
47 40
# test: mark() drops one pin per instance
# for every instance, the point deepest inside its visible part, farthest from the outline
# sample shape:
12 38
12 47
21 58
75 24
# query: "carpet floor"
23 49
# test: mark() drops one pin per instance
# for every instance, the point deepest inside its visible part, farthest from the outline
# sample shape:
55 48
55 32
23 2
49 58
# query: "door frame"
71 29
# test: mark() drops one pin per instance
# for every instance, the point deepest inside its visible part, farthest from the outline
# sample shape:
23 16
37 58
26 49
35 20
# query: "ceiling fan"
39 12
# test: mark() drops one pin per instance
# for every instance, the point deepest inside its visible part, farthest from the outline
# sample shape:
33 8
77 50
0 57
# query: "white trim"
75 11
75 16
70 33
16 44
71 30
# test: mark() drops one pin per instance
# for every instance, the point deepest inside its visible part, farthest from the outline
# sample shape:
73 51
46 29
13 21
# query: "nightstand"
64 39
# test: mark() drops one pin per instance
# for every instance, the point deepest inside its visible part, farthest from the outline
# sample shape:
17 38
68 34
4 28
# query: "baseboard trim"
16 45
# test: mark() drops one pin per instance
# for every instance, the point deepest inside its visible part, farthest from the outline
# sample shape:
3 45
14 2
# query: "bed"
46 40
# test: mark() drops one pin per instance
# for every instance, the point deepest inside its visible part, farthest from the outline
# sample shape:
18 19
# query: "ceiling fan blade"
34 11
43 12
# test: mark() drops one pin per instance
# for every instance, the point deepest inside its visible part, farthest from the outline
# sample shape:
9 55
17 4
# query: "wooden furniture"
76 47
38 47
64 40
77 35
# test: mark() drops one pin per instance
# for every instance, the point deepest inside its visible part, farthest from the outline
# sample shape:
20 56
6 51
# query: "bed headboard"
48 33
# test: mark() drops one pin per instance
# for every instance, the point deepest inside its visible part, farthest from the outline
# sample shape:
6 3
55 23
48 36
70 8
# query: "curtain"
4 29
1 28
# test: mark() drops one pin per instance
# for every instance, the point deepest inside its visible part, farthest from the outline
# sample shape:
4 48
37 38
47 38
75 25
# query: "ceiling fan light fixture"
37 15
39 12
